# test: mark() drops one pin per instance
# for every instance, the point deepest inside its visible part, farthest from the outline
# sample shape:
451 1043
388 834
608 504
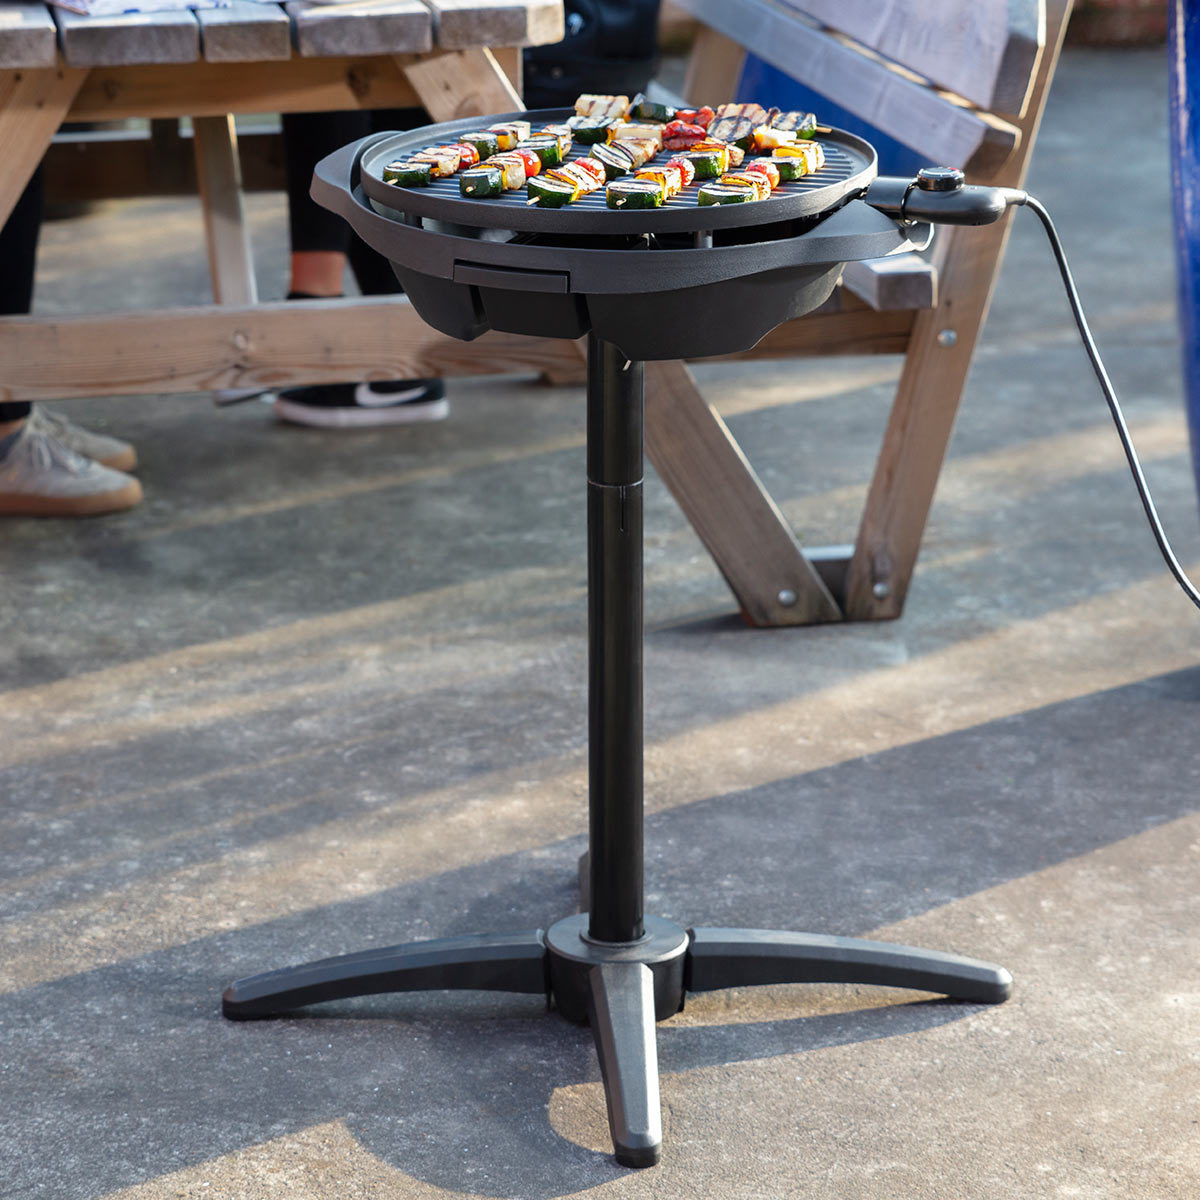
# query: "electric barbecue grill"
680 281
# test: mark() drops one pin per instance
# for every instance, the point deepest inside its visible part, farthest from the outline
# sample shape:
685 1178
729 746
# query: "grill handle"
336 176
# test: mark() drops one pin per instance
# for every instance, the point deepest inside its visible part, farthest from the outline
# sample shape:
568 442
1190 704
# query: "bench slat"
128 38
28 36
900 281
913 114
462 24
245 32
983 50
390 27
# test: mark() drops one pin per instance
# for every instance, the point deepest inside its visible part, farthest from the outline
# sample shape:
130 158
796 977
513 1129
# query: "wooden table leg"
32 107
463 83
230 260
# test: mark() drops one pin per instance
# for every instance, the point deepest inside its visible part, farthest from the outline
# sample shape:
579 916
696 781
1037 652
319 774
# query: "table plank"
461 24
363 27
211 89
28 36
245 32
129 38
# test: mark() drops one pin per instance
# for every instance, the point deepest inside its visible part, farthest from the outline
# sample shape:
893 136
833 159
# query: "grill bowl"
676 282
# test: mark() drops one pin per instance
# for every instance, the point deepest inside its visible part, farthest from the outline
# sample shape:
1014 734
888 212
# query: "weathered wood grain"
213 89
460 24
740 525
931 384
244 32
128 38
267 345
28 36
714 68
32 106
899 281
374 27
894 103
230 261
983 50
462 83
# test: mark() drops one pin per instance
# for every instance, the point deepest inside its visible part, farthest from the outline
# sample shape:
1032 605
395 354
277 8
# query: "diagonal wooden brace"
742 527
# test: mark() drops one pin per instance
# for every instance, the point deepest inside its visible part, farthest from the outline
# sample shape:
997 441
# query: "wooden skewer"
822 129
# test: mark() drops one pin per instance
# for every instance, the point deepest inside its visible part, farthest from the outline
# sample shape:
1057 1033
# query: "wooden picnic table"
453 57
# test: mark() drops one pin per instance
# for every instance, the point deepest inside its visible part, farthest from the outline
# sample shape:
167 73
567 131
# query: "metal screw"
786 597
947 338
882 590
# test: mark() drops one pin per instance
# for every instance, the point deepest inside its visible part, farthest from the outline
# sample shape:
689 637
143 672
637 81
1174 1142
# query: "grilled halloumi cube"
602 107
626 131
812 154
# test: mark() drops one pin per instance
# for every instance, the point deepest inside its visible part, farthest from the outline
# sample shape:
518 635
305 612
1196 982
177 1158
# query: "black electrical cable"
1114 406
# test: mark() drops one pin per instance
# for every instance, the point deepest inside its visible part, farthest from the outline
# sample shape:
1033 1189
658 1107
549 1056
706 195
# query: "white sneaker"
107 451
40 477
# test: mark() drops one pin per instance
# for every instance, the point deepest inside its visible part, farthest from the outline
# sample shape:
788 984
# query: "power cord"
1114 405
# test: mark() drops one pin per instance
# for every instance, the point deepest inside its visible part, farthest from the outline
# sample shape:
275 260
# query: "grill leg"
725 958
485 962
621 1014
614 967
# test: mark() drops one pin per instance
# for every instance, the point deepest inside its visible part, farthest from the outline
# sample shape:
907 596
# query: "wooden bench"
961 83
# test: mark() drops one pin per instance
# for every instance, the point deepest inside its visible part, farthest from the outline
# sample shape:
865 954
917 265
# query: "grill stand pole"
617 969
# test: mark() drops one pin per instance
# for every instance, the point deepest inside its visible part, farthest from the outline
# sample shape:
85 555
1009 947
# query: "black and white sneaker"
357 405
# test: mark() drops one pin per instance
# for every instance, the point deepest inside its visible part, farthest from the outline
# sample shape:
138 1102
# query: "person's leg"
321 245
319 238
42 472
18 251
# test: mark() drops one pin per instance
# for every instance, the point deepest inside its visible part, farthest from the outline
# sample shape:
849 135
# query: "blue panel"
1184 59
767 85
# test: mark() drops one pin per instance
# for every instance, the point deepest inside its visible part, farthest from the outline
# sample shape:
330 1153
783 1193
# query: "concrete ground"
325 692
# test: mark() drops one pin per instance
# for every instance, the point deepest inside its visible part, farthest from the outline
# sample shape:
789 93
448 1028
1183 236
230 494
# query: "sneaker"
107 451
355 405
40 477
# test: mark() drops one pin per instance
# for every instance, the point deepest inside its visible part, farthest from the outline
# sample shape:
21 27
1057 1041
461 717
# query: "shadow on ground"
125 1073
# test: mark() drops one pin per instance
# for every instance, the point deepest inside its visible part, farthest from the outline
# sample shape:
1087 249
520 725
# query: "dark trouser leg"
18 254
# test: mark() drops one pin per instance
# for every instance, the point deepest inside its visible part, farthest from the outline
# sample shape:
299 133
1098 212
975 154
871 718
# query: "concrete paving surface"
325 692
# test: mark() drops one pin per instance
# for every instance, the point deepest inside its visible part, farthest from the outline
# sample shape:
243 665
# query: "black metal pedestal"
615 968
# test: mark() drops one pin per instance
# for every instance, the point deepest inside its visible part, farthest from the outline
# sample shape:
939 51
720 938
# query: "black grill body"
677 282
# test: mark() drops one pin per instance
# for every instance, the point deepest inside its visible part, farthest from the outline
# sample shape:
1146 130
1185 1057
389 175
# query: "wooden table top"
40 35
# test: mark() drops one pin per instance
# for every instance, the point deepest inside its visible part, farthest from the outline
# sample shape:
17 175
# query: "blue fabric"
767 85
1183 57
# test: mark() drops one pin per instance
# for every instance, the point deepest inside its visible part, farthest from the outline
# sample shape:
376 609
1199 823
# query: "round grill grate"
849 167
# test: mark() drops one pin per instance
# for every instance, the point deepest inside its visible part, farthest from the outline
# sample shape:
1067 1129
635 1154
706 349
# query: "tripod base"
619 988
